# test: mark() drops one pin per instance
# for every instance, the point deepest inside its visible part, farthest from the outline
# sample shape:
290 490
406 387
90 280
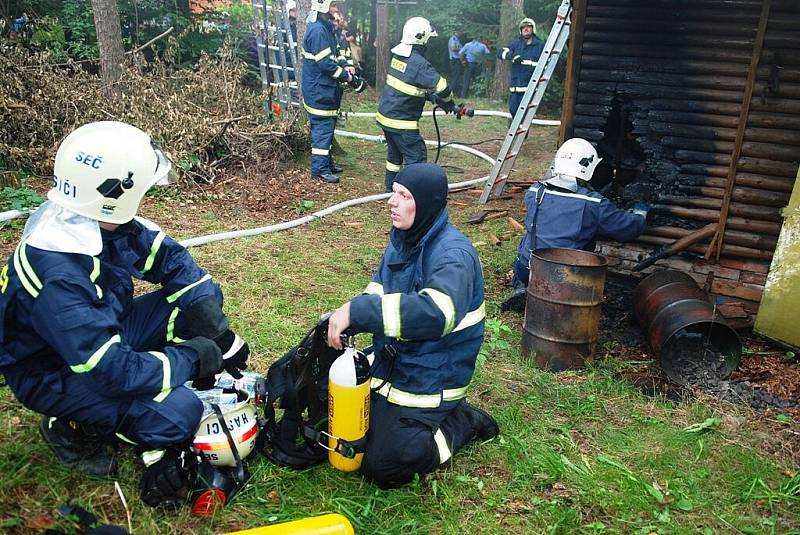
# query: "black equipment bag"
298 384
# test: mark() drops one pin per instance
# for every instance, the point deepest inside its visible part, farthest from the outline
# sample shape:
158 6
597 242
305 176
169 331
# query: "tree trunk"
303 7
511 12
382 47
109 41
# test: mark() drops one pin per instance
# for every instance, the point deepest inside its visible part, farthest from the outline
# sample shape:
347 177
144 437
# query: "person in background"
323 74
564 211
472 53
425 306
523 53
453 51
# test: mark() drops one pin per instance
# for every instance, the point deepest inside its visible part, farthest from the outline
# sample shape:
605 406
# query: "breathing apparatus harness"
298 384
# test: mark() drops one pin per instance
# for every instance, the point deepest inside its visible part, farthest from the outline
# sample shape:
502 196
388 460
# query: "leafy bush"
202 116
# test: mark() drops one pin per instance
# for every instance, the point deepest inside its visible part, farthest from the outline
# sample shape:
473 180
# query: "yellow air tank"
331 524
348 405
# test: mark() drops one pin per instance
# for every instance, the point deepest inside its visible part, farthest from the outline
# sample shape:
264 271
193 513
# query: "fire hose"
277 227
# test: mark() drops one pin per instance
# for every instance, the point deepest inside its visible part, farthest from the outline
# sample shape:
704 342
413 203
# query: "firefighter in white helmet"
523 53
410 81
564 211
102 367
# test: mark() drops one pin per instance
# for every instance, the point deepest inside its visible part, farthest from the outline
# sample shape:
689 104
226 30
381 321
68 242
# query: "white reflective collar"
402 50
563 181
54 228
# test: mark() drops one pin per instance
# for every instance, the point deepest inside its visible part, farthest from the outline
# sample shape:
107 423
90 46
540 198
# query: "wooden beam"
752 73
573 69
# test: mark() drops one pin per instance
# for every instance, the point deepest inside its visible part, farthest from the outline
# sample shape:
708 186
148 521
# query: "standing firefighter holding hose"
425 310
410 81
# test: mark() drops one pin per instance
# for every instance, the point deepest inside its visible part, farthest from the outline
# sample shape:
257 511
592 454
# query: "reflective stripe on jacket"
322 72
521 72
429 304
409 81
64 309
574 220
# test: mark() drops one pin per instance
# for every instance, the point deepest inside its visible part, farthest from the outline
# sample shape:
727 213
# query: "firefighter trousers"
403 147
405 441
147 420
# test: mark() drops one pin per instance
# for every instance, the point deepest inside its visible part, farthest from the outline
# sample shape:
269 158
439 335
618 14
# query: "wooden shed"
694 106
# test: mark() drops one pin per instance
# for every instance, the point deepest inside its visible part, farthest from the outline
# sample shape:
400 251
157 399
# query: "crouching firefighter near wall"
425 310
102 367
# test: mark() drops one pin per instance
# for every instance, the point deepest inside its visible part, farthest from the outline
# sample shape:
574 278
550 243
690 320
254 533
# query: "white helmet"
322 6
416 31
212 442
103 169
291 4
527 21
576 158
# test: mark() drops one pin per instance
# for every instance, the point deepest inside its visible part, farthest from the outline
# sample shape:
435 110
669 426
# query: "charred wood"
737 223
733 237
739 194
727 250
778 187
762 213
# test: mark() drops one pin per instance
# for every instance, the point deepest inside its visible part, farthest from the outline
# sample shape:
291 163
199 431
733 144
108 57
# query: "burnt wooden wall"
659 86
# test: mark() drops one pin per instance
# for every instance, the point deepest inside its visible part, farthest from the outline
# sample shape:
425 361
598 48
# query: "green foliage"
78 21
49 34
22 198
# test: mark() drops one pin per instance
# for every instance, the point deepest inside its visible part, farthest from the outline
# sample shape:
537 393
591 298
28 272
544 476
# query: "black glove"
234 353
205 318
168 481
517 59
447 105
209 361
357 83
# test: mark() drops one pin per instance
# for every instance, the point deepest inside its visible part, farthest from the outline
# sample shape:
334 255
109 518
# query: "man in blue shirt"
523 52
472 52
453 49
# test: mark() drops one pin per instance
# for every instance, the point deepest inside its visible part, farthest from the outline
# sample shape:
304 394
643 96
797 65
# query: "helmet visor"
163 166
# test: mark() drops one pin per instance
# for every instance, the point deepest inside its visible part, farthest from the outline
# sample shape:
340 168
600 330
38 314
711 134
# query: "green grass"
579 452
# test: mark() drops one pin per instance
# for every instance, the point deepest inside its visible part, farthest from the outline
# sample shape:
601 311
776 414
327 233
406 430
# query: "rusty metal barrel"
670 307
562 310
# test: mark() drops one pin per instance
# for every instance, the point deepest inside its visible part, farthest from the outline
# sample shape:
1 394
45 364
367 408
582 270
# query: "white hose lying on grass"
209 238
478 113
381 139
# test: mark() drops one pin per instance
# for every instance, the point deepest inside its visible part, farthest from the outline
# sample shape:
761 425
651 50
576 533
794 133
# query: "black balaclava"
427 182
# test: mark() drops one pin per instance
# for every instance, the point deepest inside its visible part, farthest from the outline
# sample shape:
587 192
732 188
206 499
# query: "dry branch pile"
203 117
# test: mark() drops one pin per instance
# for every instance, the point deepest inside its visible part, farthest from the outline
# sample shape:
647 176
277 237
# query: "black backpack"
298 384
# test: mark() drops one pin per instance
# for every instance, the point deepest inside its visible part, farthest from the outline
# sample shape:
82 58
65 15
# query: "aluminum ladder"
521 123
276 50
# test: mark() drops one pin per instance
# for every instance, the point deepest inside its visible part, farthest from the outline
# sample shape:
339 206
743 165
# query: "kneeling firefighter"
425 310
565 211
410 81
102 367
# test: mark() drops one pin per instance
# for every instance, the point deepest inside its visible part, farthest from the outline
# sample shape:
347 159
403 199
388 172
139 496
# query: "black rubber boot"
482 423
516 301
335 167
76 448
329 178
